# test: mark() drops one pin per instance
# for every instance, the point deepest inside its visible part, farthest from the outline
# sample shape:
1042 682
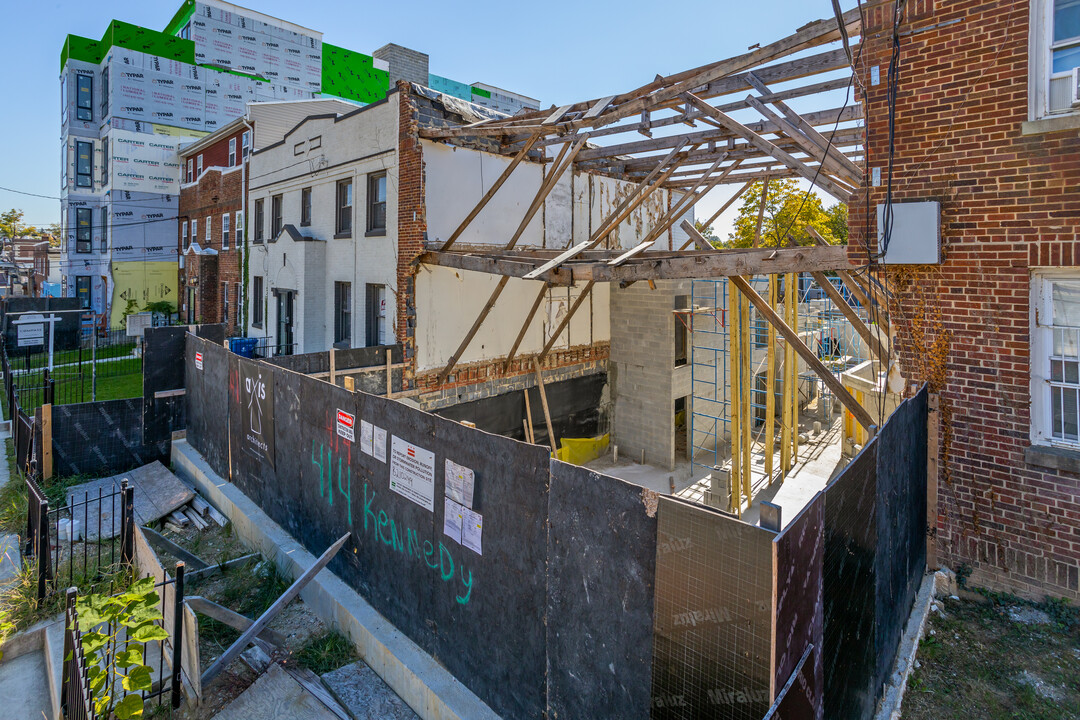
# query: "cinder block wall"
405 64
642 374
1009 204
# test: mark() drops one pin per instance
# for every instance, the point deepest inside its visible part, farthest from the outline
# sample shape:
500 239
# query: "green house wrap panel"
180 18
352 75
132 37
80 48
481 92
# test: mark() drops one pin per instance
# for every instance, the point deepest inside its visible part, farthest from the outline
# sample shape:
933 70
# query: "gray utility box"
916 233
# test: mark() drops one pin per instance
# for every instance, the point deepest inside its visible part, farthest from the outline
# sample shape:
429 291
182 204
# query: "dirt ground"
249 590
997 658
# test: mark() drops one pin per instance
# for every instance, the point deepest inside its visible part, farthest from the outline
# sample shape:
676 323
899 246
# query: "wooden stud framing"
735 398
873 342
788 383
544 402
791 335
746 414
770 387
529 437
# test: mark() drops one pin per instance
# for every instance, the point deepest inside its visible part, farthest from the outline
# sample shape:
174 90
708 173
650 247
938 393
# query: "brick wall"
1010 202
411 224
216 194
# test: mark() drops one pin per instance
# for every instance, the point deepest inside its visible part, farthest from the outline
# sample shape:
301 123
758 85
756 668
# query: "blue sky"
563 53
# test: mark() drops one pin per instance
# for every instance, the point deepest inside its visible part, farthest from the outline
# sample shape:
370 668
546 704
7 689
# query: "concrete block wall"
405 64
642 374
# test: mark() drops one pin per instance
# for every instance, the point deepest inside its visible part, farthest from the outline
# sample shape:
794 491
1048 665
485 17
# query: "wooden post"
761 211
770 385
933 434
795 371
350 383
747 395
333 366
528 420
735 397
791 335
544 402
785 400
389 375
46 442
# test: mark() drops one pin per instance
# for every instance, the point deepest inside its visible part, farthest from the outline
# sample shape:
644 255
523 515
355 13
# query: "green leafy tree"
128 621
788 211
11 225
54 231
707 232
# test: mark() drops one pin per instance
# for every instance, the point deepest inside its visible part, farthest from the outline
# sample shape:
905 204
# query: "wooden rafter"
873 343
809 356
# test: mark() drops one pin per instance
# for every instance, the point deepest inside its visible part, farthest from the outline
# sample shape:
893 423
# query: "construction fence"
551 590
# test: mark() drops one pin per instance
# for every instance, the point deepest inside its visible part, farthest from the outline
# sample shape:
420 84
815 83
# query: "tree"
53 231
11 225
788 211
707 233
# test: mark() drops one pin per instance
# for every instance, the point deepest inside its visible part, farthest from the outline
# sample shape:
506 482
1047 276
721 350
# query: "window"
225 231
194 231
82 290
84 229
275 216
183 236
84 163
104 231
232 152
682 302
238 226
105 92
190 166
257 301
1055 359
245 144
260 223
208 223
376 314
342 313
1055 68
305 207
198 167
343 225
376 204
224 302
84 97
105 161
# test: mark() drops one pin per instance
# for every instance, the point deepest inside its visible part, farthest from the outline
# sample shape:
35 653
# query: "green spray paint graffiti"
384 529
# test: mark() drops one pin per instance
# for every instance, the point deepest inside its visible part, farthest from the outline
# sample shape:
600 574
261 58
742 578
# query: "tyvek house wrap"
143 226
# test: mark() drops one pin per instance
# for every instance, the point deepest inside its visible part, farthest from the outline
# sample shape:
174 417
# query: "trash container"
244 347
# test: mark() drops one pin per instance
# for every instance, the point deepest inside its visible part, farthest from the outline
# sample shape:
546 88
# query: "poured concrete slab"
275 696
157 493
365 695
24 687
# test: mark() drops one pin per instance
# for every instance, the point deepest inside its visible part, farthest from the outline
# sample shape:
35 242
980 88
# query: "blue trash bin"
244 347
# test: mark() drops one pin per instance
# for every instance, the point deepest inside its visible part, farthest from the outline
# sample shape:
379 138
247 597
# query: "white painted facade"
317 154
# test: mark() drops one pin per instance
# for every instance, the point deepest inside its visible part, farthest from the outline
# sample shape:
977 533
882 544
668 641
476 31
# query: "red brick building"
986 123
211 219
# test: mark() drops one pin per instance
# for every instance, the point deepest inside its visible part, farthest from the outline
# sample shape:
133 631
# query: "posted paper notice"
380 443
365 437
472 526
460 482
452 519
412 472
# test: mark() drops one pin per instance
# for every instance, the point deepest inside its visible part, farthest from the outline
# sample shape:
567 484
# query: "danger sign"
198 360
345 425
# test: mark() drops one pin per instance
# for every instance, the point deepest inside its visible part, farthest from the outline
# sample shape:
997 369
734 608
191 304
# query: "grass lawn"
1003 658
73 389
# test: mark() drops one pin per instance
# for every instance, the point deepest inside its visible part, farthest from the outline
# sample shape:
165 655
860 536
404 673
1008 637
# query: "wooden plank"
162 544
349 382
748 380
235 620
389 375
735 404
636 250
547 186
761 212
566 320
46 441
524 329
790 374
696 237
600 106
544 402
615 217
859 290
808 355
557 115
474 329
311 682
256 627
169 393
770 385
491 192
806 144
529 437
333 366
477 262
873 342
718 263
221 567
770 149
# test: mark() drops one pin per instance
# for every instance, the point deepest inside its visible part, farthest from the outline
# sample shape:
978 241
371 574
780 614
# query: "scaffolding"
716 378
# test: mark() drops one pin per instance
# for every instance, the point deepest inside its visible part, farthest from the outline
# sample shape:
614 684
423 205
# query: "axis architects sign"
257 411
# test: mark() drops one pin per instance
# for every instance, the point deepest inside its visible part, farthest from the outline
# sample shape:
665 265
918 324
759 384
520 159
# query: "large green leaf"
141 615
94 641
149 633
130 707
132 656
138 679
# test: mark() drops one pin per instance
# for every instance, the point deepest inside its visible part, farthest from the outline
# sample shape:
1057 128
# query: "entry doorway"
285 306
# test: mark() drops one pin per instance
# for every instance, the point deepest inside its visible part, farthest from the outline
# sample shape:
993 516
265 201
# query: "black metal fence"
84 542
77 696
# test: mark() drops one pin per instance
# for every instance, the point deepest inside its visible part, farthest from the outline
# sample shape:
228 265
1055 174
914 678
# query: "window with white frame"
198 166
183 236
225 231
245 144
208 223
232 152
238 226
1055 65
194 231
1055 358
